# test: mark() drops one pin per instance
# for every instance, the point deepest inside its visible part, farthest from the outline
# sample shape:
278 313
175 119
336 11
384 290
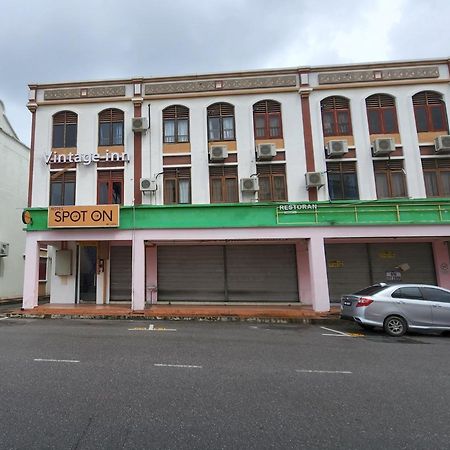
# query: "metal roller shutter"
120 273
418 256
259 273
191 273
348 268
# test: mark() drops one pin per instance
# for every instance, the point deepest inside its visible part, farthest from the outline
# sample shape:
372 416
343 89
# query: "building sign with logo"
297 207
99 216
86 158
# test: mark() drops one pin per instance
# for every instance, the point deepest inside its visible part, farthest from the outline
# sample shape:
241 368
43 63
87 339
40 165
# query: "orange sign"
83 216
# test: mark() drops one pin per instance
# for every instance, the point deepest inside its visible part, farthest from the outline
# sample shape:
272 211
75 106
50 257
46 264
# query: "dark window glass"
371 290
267 120
214 128
421 119
435 295
177 186
390 125
408 293
374 122
110 187
221 122
272 182
62 188
175 124
110 129
336 116
342 181
436 118
42 269
58 136
223 184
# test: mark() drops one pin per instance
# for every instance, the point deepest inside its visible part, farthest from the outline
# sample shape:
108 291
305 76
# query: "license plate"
347 303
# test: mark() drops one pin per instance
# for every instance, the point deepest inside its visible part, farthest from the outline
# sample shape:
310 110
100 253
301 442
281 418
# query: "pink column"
318 274
151 269
138 275
303 275
31 278
442 263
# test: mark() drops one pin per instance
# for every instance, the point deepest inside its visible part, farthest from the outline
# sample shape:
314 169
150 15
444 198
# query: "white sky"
56 40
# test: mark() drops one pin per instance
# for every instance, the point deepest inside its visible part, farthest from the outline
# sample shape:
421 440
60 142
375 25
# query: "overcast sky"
56 40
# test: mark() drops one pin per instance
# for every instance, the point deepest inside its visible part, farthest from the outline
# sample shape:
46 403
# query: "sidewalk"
283 312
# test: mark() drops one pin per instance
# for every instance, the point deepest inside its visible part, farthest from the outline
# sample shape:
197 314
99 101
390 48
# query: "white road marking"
339 333
183 366
4 318
323 371
57 360
151 327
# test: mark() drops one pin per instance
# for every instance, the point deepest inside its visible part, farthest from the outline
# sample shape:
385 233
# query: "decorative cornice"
220 85
379 75
92 92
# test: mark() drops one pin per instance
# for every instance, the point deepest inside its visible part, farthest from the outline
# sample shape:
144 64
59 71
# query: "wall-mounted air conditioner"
139 124
314 179
442 144
265 151
148 185
336 148
249 184
218 152
4 249
383 146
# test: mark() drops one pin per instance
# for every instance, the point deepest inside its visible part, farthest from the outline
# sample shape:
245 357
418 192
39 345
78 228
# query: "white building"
13 199
285 185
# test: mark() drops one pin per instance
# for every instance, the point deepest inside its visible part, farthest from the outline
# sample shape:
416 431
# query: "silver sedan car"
398 308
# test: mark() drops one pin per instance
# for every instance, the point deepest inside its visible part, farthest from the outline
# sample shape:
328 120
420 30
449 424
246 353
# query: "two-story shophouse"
290 185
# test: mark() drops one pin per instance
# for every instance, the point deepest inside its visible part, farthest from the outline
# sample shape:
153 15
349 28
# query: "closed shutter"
191 273
351 267
235 273
259 273
120 273
418 256
348 268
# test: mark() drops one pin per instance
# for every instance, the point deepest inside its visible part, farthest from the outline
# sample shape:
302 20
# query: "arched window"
175 124
382 114
267 119
110 127
336 119
220 122
429 110
65 129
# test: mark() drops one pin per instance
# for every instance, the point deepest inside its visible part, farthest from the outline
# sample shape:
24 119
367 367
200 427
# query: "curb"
298 320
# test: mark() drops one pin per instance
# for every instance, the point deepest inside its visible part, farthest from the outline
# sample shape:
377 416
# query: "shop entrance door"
87 273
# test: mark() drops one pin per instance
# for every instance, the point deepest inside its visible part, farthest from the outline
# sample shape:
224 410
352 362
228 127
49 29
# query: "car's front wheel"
395 326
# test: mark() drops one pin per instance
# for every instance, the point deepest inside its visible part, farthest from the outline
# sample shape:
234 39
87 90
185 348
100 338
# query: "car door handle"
436 306
400 302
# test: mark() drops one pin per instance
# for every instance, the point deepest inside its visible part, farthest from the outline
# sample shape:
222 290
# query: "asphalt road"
74 384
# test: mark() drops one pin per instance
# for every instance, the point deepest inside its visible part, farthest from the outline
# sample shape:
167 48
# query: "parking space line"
345 372
56 360
182 366
151 327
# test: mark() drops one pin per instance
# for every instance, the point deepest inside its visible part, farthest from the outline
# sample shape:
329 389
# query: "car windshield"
371 289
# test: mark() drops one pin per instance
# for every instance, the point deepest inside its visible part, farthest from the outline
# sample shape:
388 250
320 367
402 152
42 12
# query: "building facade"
13 198
291 185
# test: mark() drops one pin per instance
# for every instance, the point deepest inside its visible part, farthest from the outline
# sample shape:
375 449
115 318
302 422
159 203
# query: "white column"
318 274
366 177
31 278
138 275
303 274
410 144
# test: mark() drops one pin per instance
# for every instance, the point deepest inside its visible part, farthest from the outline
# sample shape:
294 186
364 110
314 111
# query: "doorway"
87 274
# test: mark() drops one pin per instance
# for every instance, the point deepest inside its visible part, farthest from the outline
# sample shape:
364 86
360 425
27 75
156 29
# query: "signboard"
386 254
335 263
393 275
98 216
86 159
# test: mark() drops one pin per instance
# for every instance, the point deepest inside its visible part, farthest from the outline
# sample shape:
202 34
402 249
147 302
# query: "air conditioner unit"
139 124
218 152
265 151
442 144
249 184
4 249
336 148
383 146
148 185
314 179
